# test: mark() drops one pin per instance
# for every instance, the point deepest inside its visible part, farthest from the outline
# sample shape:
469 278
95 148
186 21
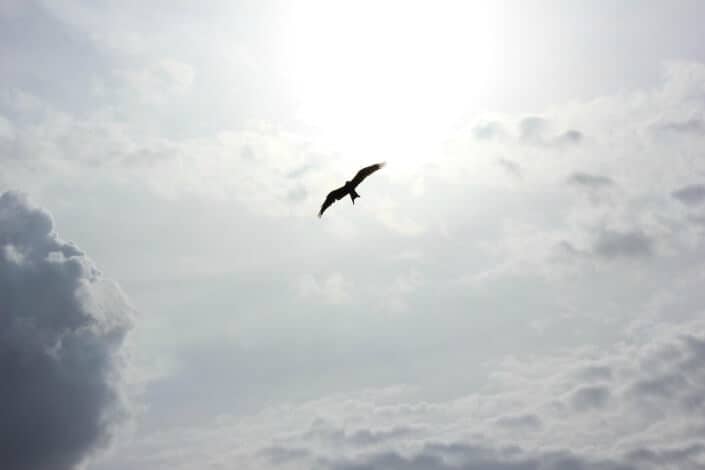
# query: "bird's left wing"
365 172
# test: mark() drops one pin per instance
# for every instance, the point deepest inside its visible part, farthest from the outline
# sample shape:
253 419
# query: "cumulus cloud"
640 417
61 331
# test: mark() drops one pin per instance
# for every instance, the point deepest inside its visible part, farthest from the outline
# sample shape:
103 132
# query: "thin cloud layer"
62 328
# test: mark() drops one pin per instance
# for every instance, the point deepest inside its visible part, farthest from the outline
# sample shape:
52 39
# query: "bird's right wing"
333 196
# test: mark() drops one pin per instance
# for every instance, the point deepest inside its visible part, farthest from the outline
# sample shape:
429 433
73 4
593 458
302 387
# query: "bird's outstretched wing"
333 196
365 172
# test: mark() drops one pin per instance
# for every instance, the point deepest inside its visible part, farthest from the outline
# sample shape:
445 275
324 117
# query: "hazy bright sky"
519 288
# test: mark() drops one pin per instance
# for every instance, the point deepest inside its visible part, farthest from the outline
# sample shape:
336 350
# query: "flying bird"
349 187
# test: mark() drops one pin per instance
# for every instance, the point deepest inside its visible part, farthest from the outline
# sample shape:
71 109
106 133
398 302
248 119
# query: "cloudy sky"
519 288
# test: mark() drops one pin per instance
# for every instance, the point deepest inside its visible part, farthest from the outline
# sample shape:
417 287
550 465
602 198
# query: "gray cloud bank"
645 414
61 332
636 405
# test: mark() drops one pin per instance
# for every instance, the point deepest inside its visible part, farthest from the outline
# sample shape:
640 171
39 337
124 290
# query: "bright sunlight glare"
387 80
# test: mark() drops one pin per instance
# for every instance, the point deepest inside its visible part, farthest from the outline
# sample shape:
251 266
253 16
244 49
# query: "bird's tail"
354 195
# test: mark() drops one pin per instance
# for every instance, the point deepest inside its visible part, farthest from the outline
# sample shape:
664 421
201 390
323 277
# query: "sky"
520 288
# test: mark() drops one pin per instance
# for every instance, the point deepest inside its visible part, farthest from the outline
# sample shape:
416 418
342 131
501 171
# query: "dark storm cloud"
61 329
590 181
690 195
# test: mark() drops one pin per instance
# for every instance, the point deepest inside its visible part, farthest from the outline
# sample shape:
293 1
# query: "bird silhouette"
349 187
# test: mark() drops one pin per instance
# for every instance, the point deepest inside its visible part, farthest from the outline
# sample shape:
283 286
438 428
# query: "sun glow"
387 80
